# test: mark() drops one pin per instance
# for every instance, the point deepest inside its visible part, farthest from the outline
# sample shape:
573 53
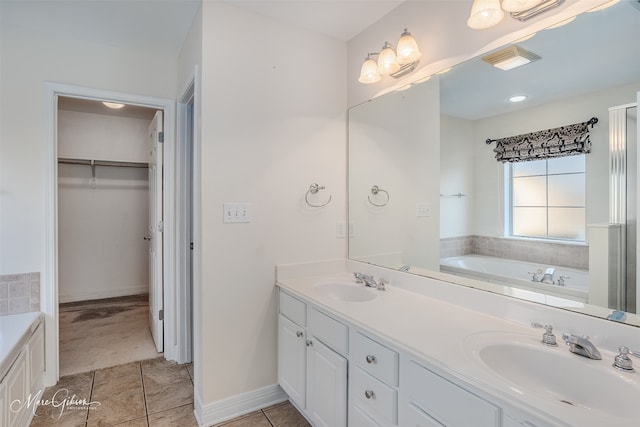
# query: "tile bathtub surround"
547 253
19 293
150 393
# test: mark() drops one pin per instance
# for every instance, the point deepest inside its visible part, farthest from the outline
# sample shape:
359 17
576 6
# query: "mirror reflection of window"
548 198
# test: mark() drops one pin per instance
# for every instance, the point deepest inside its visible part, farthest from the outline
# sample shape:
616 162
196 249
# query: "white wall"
394 143
101 253
488 172
457 175
28 59
273 122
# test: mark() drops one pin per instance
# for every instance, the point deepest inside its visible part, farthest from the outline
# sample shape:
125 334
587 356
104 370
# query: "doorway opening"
51 293
106 217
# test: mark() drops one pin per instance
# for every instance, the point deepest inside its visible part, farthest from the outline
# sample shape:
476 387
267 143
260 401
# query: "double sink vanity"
419 352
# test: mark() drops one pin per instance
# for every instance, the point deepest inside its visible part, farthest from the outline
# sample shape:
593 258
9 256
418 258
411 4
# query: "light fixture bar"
536 10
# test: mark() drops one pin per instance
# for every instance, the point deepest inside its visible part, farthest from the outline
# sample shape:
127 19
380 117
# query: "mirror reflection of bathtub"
519 274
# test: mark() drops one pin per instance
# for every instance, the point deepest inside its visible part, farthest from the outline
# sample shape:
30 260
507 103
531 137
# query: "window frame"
509 199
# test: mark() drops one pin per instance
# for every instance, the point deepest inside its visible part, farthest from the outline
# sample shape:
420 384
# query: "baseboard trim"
235 406
111 293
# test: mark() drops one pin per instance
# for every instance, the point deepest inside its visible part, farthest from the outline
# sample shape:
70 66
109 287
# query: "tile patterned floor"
150 393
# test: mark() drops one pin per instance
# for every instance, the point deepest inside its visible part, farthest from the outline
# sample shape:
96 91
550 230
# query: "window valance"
558 142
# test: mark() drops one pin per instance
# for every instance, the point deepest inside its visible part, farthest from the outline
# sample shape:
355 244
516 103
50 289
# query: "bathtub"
517 274
15 330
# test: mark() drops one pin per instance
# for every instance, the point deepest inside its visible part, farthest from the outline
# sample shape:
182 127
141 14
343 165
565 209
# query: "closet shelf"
103 163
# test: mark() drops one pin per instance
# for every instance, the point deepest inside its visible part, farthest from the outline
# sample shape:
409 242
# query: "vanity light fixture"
113 105
488 13
390 62
511 57
485 14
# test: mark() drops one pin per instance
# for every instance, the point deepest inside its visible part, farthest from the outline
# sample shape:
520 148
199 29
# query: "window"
548 198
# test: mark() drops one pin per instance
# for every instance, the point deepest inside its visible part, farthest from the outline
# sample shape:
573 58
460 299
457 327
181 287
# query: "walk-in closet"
103 219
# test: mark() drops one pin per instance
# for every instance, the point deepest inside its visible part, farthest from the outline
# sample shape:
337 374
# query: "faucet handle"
536 275
561 280
548 338
622 361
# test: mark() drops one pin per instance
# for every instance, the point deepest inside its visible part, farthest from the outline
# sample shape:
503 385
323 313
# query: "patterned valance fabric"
545 144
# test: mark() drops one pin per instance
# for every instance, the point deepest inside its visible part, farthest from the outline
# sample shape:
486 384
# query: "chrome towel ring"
375 190
313 189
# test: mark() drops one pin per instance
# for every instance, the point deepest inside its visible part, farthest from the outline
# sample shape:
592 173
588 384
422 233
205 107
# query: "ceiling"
97 107
340 19
162 25
595 52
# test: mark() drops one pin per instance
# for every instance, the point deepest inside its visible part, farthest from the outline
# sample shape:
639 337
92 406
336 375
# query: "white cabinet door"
326 385
292 360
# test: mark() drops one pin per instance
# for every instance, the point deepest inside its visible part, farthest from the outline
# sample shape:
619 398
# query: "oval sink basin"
556 374
350 292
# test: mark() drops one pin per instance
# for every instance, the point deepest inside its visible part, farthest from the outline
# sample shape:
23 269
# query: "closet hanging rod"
103 163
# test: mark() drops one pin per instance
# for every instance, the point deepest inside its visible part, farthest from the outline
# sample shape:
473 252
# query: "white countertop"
435 331
15 330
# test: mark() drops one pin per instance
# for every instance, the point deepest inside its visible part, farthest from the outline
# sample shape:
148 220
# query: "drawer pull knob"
299 334
309 343
369 394
370 359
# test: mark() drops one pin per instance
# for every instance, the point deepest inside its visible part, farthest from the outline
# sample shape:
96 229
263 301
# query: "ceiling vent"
510 58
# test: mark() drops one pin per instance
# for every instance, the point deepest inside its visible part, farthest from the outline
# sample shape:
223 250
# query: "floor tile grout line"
144 395
93 382
267 417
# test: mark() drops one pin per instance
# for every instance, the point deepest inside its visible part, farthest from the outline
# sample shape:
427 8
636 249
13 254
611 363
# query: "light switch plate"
236 212
423 210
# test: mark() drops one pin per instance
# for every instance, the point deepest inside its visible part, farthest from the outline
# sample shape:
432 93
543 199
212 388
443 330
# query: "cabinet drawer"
331 332
293 309
443 400
375 396
375 358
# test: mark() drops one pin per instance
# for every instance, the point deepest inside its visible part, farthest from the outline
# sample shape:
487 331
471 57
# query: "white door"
156 226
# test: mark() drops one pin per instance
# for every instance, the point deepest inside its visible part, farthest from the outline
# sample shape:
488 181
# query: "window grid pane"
548 198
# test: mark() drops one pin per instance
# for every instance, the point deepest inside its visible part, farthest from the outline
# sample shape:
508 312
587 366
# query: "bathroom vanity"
424 353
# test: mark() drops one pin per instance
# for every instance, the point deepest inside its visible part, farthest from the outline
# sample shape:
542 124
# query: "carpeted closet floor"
103 333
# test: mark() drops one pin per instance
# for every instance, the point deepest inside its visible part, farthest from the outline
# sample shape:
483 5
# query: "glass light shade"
387 60
407 49
519 5
369 71
485 14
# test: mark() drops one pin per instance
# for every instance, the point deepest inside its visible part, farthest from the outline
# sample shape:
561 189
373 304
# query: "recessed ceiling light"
517 98
113 105
510 58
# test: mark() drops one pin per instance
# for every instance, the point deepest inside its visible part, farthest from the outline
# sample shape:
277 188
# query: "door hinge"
160 137
161 227
191 245
161 315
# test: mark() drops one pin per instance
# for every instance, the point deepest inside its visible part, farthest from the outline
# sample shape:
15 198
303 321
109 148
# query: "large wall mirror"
427 195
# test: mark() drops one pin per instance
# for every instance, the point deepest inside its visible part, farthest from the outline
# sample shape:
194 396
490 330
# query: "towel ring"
375 190
313 189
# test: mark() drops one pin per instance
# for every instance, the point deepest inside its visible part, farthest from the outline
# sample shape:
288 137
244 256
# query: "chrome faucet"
547 278
582 346
370 281
623 362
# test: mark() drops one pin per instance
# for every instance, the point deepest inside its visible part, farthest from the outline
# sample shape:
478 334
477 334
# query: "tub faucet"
548 276
581 346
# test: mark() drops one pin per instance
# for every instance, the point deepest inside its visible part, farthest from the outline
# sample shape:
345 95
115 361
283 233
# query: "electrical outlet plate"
236 212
